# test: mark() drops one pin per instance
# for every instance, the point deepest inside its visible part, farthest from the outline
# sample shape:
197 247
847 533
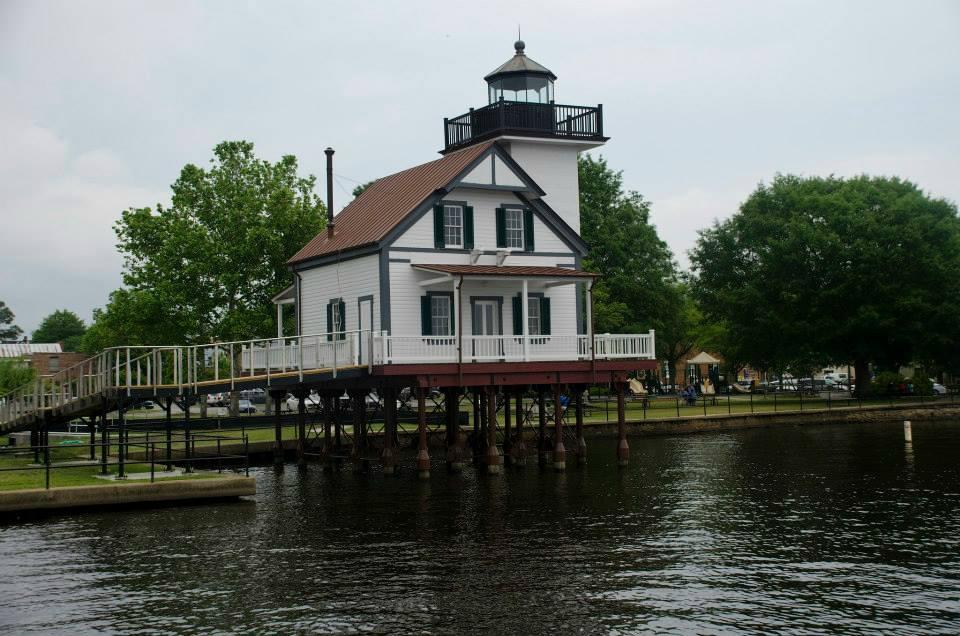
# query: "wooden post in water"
520 448
359 425
542 453
507 442
494 460
389 429
301 426
423 455
623 449
559 451
581 442
329 415
277 398
451 404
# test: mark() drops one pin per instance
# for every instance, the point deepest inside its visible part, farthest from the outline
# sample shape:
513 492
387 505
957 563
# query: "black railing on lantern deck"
523 118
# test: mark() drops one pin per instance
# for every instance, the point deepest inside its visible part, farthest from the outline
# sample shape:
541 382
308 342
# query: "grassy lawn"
74 476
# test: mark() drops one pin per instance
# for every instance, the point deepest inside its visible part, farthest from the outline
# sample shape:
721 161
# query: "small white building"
473 257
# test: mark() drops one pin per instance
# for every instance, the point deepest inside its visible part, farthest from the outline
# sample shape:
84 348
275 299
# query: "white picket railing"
510 348
191 368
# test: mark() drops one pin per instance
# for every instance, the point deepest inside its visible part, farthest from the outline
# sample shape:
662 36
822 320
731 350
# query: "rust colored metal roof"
522 271
379 208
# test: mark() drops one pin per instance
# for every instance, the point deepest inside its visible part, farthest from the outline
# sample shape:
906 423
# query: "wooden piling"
423 455
623 449
389 429
520 448
494 460
559 452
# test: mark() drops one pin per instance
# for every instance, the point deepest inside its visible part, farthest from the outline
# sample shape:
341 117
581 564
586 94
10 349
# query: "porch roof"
511 271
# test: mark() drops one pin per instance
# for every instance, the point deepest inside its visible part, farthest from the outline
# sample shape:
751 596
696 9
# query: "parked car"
938 389
218 399
257 396
246 406
312 402
143 404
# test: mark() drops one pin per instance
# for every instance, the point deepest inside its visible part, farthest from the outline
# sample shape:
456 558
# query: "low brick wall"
111 494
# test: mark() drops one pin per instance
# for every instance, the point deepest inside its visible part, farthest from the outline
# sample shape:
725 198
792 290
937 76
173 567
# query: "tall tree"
357 191
829 270
637 270
134 318
8 330
61 326
215 257
14 373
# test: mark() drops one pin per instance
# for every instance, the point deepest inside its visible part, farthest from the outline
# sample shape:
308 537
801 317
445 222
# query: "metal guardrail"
43 460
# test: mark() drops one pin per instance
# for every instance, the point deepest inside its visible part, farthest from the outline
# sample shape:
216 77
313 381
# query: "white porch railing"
192 368
510 348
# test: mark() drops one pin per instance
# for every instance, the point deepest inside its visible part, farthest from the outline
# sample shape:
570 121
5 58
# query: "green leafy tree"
360 188
637 270
14 373
206 267
823 270
8 330
61 326
134 318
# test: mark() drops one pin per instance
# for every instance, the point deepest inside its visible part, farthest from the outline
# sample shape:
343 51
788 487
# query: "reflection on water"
841 529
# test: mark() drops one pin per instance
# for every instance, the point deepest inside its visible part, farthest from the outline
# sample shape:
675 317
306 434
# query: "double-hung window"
436 314
533 316
453 225
440 318
513 227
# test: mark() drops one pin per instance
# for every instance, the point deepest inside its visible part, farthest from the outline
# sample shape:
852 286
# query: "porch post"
524 310
457 284
589 304
279 321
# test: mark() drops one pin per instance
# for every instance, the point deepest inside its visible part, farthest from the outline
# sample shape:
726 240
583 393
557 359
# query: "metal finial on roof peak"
519 45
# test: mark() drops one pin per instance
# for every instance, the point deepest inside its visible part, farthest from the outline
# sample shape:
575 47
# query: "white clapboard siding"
349 280
485 203
405 291
554 168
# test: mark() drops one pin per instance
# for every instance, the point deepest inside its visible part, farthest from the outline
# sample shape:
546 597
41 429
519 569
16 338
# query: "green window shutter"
438 241
342 327
468 227
453 322
545 316
528 243
501 228
518 315
426 322
330 321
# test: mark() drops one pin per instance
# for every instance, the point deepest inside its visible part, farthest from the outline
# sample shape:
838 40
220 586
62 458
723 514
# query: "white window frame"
534 324
437 311
453 224
513 228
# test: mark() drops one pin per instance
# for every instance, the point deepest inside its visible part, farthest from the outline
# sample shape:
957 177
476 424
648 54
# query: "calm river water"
841 529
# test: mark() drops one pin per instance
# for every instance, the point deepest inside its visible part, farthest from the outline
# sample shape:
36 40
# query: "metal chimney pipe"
329 152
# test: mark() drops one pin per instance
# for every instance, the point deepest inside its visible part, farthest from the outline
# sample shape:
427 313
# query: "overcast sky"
102 103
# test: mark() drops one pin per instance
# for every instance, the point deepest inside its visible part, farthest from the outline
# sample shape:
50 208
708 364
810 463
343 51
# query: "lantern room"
520 79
